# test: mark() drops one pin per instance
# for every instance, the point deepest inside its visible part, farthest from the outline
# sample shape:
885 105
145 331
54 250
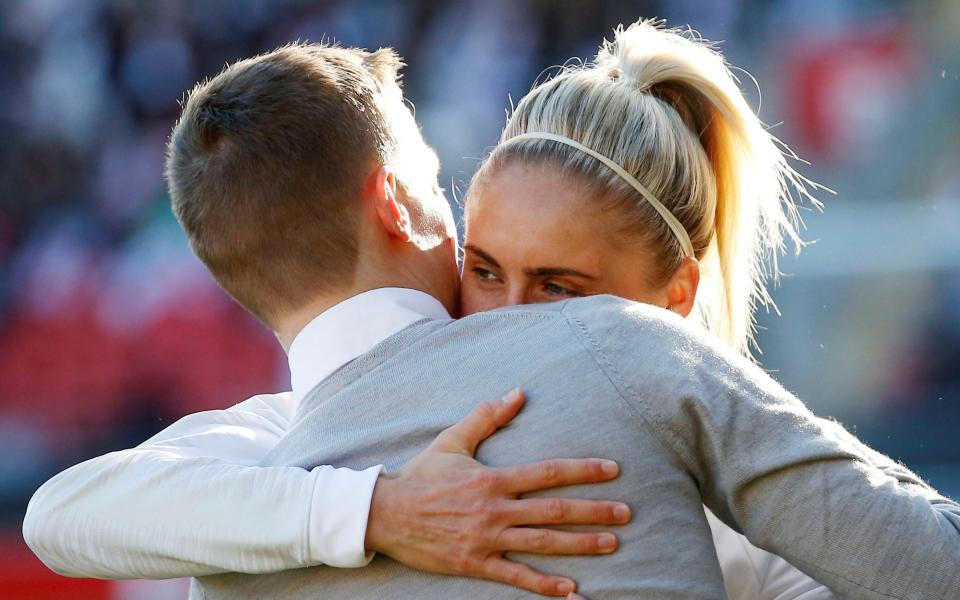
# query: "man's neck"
434 273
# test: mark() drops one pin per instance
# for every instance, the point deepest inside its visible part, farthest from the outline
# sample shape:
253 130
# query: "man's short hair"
266 168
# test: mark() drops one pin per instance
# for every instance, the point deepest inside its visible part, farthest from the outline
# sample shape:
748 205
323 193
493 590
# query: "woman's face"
532 236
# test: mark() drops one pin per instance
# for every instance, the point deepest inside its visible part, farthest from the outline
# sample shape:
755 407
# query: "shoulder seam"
608 368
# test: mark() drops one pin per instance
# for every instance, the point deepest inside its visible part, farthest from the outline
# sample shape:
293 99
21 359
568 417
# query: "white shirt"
191 501
351 328
750 573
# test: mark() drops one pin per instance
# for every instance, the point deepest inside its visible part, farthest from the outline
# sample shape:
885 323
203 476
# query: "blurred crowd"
110 329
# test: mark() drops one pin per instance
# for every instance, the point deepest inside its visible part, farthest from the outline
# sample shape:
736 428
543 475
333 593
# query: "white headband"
672 222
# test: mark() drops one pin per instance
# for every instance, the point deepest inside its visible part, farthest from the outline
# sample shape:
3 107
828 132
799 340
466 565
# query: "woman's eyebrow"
556 272
483 255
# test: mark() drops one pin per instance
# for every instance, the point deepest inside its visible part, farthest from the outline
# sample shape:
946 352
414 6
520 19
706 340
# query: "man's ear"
393 215
681 290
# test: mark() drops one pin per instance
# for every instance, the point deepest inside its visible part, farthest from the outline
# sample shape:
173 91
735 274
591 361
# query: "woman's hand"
444 512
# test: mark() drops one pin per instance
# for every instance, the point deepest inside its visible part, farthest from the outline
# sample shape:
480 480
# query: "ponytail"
663 105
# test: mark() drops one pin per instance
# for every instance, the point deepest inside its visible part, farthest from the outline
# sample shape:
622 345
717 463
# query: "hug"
617 242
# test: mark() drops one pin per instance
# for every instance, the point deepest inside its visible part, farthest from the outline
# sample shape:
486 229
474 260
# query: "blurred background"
110 329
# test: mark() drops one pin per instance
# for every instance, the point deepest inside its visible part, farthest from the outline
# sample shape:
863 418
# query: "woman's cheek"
473 299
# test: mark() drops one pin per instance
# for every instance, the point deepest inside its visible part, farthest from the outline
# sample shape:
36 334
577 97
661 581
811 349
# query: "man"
685 419
83 522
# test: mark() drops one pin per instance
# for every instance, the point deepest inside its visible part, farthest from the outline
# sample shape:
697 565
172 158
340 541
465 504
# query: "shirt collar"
351 328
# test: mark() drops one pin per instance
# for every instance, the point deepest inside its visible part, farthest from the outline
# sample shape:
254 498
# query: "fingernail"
565 587
621 512
609 467
510 396
607 541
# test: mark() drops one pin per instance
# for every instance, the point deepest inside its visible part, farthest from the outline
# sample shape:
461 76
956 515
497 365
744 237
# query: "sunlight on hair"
664 105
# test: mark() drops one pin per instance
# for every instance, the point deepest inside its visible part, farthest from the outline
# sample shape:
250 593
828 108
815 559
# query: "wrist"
381 507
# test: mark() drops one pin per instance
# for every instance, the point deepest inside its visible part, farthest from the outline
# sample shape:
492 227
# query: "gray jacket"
688 420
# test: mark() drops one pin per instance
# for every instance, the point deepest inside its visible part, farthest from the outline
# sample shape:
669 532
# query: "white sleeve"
750 573
190 501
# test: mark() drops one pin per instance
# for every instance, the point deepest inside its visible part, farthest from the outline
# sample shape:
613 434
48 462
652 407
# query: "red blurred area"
24 577
75 375
845 87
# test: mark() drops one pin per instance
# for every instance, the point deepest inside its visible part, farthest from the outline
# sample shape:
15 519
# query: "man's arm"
190 502
795 485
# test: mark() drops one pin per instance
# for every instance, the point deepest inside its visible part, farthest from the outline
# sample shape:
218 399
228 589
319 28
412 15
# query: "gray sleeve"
795 485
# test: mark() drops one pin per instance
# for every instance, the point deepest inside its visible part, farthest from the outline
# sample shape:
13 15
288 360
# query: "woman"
624 178
680 213
715 192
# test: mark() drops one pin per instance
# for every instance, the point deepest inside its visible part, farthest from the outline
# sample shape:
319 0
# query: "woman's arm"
796 485
772 576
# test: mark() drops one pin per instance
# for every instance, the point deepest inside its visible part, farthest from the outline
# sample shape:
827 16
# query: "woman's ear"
681 289
392 214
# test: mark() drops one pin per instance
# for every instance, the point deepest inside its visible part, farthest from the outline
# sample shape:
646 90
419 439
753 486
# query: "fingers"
547 474
575 596
549 541
480 424
563 511
522 576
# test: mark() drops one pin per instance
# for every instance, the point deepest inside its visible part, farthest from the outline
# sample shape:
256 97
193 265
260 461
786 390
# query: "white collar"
351 328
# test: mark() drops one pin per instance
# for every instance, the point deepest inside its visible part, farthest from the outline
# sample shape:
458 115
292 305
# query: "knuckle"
603 513
475 536
485 411
485 480
556 509
550 470
514 577
541 540
487 512
544 585
465 563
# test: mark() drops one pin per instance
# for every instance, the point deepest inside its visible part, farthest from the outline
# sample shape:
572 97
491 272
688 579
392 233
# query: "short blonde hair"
663 105
267 163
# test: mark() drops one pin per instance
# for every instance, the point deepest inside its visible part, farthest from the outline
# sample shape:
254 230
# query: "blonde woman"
659 141
643 175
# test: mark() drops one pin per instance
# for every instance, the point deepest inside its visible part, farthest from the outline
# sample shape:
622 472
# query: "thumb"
479 424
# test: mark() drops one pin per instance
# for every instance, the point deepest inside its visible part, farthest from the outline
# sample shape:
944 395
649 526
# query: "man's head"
286 169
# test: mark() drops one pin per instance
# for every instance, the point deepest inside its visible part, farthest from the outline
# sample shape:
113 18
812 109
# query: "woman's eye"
557 290
485 274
